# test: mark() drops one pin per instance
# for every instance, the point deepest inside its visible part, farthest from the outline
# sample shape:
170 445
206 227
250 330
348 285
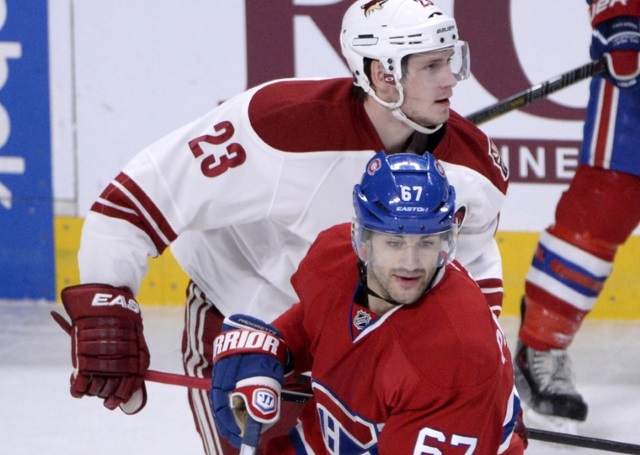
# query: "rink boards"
166 282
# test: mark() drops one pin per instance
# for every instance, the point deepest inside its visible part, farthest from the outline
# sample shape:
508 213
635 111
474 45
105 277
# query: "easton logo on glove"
101 299
250 342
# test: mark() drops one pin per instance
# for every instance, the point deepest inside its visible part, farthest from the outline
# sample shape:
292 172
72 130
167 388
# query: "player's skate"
544 380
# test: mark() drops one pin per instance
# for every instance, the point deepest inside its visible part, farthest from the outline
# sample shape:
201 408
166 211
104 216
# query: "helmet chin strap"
362 274
397 111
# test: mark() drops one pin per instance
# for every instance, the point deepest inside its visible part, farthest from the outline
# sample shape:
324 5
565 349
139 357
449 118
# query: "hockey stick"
192 382
184 380
583 441
301 397
251 437
538 91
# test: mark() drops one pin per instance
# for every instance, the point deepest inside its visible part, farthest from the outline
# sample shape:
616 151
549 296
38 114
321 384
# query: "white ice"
38 416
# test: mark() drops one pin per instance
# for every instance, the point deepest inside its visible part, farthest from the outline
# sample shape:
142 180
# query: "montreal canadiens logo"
439 168
265 400
374 166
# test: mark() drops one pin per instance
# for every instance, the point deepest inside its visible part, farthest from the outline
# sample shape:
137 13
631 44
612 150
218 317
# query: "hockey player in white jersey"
240 193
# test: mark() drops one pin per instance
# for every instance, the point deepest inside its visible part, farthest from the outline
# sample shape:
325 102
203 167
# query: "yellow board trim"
166 282
619 298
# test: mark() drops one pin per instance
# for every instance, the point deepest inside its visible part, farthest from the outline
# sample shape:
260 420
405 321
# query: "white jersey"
241 193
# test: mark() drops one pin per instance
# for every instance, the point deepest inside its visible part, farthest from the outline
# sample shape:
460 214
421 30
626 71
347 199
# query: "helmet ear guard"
449 247
359 241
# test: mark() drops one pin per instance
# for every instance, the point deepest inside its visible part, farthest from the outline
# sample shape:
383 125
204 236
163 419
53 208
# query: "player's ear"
376 73
381 81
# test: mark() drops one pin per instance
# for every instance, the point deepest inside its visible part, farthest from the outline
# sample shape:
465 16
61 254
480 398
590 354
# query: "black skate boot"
544 380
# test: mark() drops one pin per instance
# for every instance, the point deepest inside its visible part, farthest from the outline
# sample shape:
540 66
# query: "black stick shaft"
537 92
583 441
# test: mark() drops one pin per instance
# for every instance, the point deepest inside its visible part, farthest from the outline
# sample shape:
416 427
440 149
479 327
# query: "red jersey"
435 374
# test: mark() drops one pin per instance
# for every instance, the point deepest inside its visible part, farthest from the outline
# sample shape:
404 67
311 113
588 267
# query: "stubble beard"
430 121
389 289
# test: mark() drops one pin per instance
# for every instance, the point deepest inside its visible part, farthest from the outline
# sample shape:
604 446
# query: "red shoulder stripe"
125 200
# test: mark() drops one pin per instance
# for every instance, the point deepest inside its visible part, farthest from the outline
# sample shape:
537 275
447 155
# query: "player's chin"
438 115
407 298
442 111
406 294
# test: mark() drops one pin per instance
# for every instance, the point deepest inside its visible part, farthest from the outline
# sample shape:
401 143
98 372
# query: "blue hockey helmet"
402 194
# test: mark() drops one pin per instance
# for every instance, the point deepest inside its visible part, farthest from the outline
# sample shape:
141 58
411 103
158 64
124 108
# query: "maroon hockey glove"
108 350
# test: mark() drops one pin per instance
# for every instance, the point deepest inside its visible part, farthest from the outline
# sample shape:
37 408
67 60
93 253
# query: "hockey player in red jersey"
596 215
405 355
241 193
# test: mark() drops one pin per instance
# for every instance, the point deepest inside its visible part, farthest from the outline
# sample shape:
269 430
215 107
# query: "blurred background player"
241 193
404 353
596 214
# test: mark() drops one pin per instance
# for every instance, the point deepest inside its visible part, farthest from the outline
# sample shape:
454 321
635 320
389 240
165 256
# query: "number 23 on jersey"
217 163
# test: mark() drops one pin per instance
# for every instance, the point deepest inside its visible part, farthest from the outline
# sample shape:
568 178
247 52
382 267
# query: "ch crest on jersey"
361 319
344 432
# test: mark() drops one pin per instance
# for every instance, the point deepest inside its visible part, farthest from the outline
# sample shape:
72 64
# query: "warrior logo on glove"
265 400
247 341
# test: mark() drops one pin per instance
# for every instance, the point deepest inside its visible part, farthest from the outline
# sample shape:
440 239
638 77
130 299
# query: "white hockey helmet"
388 30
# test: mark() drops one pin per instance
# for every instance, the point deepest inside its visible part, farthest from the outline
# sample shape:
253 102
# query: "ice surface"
38 416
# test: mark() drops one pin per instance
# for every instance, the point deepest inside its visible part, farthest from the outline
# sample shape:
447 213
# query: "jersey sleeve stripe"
125 200
146 209
490 284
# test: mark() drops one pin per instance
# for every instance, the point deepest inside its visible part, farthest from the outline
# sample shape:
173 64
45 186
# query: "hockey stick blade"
538 92
584 441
